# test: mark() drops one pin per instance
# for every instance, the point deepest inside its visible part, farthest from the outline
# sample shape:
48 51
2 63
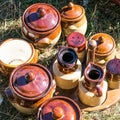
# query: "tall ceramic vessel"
41 25
67 68
73 19
93 89
30 85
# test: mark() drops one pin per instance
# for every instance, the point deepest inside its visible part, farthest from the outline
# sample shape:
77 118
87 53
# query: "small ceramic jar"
41 25
113 73
67 68
78 42
73 19
59 108
14 52
93 89
104 49
29 86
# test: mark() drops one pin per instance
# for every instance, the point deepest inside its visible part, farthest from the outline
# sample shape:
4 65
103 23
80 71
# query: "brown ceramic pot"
41 25
73 19
67 68
14 52
101 48
59 108
30 85
77 41
113 73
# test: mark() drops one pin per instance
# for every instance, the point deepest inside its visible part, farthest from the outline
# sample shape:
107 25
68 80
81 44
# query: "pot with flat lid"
39 20
104 47
31 83
59 108
73 18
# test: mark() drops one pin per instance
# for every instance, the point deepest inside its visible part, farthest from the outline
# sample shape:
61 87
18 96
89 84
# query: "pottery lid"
76 39
59 107
41 17
105 43
72 11
113 66
31 80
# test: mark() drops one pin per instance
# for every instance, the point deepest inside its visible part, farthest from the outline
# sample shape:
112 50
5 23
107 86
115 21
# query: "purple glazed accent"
67 57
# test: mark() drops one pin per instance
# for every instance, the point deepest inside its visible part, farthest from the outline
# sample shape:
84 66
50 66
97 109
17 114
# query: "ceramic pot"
113 73
101 49
14 52
59 108
29 86
41 25
67 68
78 42
93 90
73 19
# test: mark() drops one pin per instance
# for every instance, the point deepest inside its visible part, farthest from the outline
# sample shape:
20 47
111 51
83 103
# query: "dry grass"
102 15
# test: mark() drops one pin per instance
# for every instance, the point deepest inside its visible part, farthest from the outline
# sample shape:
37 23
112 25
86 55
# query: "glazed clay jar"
77 41
67 68
59 108
93 89
73 19
104 49
29 86
113 73
14 52
41 25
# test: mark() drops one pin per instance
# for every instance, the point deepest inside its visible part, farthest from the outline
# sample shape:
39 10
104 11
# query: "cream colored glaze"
67 81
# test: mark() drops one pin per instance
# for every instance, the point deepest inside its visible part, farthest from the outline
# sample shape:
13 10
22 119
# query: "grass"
102 16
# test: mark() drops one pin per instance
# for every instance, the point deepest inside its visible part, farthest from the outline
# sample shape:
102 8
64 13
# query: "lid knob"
70 5
58 113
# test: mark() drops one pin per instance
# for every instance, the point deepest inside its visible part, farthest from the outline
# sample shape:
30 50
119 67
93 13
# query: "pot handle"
9 94
99 90
36 15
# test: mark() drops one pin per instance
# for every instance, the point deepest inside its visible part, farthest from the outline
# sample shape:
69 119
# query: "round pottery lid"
41 17
59 107
72 11
105 43
76 39
113 66
31 80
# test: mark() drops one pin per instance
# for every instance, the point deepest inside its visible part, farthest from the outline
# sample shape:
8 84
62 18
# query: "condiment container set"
32 86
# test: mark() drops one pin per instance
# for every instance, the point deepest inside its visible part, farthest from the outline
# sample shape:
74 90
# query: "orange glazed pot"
30 85
41 25
14 52
59 108
73 19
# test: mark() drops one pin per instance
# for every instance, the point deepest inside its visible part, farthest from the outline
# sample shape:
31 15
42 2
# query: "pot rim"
31 57
41 32
36 97
61 98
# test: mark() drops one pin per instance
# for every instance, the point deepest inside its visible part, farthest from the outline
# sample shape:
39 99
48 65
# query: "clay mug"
14 52
94 76
41 25
101 49
73 19
30 85
59 108
67 68
113 73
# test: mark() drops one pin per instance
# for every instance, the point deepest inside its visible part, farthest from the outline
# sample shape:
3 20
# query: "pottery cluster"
32 86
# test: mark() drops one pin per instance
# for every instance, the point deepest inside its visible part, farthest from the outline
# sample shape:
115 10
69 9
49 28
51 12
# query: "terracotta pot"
113 73
29 86
77 41
59 108
67 68
73 19
14 52
93 89
41 25
101 48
